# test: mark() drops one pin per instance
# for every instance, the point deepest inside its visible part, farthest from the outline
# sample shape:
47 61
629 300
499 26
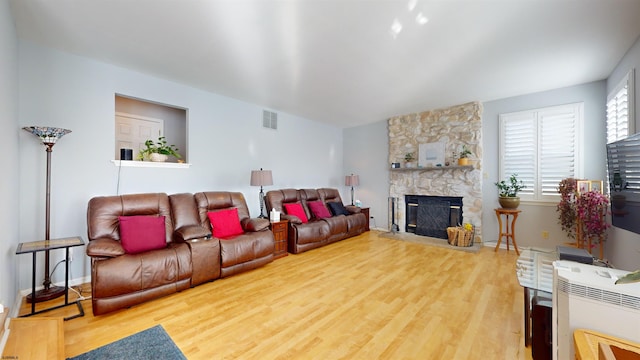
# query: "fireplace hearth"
431 215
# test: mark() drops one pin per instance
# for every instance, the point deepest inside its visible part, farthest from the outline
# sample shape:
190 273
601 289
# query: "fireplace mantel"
435 168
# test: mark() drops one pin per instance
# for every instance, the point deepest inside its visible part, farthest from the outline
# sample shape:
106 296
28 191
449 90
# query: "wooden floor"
362 298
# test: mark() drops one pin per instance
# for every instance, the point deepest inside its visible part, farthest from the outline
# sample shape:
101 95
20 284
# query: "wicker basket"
459 236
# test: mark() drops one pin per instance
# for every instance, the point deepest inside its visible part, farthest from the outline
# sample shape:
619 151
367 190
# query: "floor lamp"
48 136
261 178
352 180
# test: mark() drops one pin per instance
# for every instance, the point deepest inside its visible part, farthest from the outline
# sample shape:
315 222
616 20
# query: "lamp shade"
352 180
48 135
261 178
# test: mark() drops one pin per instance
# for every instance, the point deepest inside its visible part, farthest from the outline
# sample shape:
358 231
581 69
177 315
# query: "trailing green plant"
566 207
511 187
159 147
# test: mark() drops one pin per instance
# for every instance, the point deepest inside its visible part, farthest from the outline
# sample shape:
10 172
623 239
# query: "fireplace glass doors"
431 215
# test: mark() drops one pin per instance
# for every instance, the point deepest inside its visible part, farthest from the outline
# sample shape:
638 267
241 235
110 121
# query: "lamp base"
46 294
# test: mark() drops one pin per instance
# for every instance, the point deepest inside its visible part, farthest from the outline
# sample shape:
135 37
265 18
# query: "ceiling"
338 61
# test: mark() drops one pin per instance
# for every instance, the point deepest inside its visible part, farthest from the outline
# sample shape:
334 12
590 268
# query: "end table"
280 231
34 247
365 211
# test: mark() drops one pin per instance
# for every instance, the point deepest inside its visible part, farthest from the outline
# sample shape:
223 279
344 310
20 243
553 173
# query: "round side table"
508 232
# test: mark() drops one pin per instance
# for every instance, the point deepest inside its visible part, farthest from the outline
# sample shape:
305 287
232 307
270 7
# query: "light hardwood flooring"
366 297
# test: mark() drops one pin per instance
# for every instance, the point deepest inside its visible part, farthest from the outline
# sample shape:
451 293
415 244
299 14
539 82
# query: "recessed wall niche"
138 120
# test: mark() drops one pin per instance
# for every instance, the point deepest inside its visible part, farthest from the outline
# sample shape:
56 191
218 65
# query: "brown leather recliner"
316 232
253 248
120 280
356 223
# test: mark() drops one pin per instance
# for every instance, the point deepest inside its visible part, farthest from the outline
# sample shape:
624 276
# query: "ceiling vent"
269 119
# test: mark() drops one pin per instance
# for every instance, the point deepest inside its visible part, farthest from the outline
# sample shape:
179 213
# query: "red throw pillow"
295 209
142 233
225 223
319 210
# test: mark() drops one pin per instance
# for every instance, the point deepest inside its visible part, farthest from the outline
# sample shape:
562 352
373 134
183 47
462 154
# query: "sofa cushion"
225 223
337 208
295 209
142 233
319 210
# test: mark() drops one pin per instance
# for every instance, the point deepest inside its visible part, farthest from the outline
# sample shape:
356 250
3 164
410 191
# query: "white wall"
366 151
10 149
226 141
624 246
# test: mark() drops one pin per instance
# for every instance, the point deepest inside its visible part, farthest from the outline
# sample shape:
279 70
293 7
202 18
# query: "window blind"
620 110
542 147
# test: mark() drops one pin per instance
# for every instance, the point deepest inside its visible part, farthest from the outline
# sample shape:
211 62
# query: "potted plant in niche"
158 151
463 157
409 160
508 192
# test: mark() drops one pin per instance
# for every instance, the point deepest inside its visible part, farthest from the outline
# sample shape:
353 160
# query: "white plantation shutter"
624 159
518 149
620 110
542 147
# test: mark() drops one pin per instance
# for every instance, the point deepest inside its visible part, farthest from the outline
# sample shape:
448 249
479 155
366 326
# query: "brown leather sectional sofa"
191 257
316 232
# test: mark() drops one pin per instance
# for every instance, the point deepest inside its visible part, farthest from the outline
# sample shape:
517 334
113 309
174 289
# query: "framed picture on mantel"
431 154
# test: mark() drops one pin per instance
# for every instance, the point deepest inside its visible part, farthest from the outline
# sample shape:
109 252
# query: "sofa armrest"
292 219
104 247
353 209
190 232
255 224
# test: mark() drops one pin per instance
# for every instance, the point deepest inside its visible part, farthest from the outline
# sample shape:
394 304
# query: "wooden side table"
280 231
34 247
365 211
508 232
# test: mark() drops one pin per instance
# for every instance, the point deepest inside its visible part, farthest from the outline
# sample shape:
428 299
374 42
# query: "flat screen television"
623 165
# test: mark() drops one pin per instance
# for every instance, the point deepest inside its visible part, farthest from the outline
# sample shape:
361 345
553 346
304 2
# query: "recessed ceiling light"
412 5
396 27
421 19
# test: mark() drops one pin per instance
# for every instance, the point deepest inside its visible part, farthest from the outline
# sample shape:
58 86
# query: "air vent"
599 295
270 119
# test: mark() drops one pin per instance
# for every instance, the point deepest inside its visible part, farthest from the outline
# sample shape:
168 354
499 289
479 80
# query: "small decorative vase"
509 202
158 157
463 161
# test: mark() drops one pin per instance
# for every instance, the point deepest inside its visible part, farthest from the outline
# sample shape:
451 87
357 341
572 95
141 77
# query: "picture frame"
583 186
431 154
595 185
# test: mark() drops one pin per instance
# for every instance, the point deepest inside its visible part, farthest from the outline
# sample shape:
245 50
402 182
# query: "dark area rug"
153 343
429 241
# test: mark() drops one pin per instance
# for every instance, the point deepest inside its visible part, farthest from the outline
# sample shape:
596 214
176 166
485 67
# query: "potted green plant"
158 151
409 160
463 156
508 192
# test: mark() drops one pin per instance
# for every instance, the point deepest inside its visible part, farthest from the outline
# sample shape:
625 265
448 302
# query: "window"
138 120
542 146
620 110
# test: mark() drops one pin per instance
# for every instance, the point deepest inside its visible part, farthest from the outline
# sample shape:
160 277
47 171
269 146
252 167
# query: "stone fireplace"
455 126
